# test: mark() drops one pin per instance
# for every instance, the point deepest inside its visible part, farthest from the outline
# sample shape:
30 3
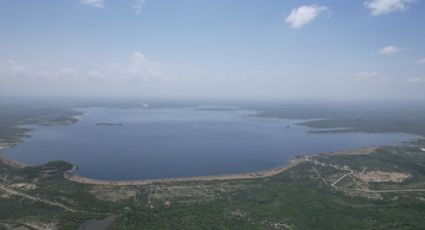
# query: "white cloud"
379 7
303 15
136 76
96 74
422 61
365 75
10 67
389 50
67 72
12 70
416 80
371 77
138 6
94 3
139 68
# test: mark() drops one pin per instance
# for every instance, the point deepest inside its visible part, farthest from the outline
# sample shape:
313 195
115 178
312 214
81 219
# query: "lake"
179 142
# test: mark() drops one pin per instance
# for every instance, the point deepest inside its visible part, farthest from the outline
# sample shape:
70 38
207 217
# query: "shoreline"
71 176
235 176
13 163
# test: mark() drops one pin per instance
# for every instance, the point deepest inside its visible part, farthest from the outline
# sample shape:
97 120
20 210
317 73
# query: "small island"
109 124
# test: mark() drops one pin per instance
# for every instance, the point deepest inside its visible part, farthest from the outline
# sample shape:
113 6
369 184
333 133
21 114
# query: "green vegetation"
381 190
13 117
353 117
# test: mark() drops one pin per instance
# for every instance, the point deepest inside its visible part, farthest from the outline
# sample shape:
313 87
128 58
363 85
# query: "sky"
352 49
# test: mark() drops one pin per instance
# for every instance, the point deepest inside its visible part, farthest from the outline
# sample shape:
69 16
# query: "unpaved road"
52 203
350 173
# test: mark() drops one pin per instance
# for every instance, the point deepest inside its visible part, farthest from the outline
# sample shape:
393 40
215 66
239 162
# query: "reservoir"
123 144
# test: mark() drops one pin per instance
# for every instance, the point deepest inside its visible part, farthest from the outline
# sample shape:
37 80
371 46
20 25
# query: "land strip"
239 176
13 163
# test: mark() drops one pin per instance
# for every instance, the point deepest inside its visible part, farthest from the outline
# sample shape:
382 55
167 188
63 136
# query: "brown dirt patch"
381 176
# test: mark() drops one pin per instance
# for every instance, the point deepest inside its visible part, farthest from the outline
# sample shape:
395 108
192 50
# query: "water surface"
177 142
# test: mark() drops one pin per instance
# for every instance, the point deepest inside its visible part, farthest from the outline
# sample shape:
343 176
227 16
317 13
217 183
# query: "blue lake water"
177 142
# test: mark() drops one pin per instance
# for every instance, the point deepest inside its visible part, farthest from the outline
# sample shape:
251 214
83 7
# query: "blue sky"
220 48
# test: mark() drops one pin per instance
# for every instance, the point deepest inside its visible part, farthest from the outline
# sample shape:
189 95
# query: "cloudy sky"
213 48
